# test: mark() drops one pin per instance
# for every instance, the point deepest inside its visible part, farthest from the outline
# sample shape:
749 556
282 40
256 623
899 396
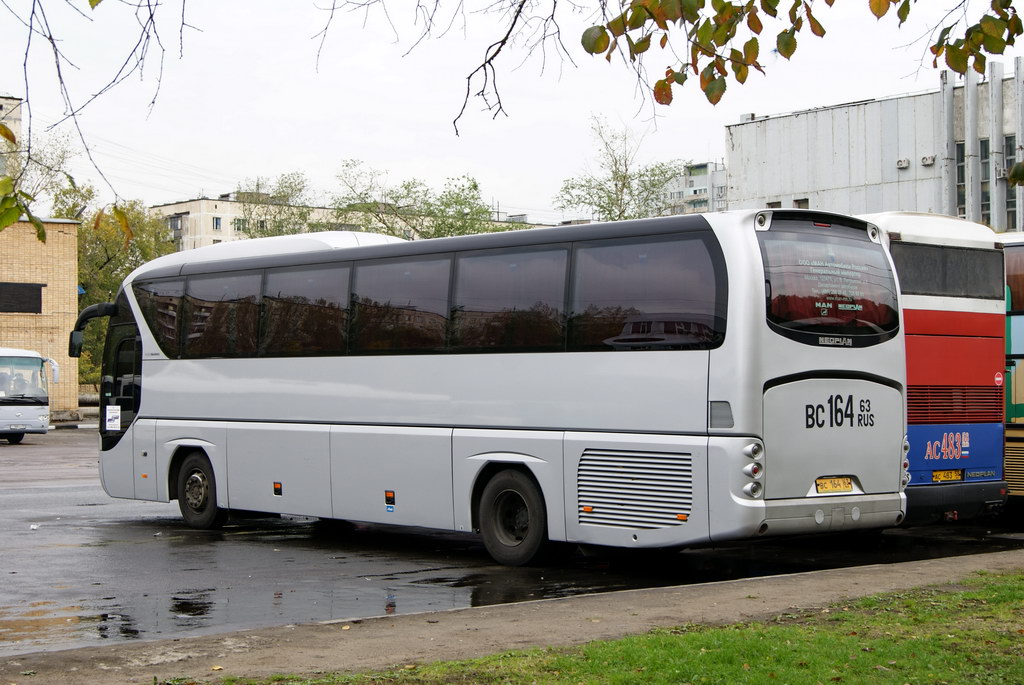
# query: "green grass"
970 633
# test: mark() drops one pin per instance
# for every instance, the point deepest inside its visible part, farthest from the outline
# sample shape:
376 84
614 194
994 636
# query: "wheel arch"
489 470
174 467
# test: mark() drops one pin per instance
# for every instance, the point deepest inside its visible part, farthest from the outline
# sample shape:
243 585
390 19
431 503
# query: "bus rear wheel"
15 438
513 519
197 494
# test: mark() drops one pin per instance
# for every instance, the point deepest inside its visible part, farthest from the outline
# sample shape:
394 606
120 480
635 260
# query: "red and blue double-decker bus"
950 274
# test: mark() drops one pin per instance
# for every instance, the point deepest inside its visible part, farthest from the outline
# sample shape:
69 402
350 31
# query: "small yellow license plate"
944 476
833 484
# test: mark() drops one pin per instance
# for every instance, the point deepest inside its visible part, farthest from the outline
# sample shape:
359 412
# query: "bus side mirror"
54 368
93 311
75 343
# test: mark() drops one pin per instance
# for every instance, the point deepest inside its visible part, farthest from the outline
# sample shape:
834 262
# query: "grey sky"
247 98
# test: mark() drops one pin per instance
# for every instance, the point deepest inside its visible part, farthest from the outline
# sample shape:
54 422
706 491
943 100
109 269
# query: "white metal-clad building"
909 153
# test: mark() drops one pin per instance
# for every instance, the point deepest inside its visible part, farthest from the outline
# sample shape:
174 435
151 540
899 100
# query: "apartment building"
702 187
208 221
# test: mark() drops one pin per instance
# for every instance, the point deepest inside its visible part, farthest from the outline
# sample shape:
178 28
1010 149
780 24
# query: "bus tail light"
754 469
905 470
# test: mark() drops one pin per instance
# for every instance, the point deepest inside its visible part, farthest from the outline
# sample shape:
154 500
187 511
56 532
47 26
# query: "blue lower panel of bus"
956 471
955 452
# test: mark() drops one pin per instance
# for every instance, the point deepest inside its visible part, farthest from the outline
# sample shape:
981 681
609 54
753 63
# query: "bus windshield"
836 283
22 381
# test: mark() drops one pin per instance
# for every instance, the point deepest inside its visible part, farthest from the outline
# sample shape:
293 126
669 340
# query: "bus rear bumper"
953 501
831 514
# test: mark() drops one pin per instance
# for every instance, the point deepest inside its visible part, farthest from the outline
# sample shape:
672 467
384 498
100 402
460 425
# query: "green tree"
622 188
723 42
29 173
281 206
410 209
72 201
106 256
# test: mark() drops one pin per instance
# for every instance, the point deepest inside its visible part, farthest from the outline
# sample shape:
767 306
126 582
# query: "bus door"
129 450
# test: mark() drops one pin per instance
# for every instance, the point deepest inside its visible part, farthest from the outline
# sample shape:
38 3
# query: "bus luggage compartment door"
832 437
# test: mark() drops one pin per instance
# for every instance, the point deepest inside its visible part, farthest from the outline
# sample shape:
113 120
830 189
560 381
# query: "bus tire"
197 493
513 518
15 438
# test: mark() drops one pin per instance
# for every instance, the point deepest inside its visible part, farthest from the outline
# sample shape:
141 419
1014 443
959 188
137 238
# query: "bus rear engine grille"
954 404
635 490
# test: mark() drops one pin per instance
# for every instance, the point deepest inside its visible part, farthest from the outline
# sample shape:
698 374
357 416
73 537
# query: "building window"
961 181
216 223
1010 158
774 205
802 203
21 298
239 224
986 191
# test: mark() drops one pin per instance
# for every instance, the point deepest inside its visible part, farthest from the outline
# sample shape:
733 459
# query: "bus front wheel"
15 438
513 520
197 494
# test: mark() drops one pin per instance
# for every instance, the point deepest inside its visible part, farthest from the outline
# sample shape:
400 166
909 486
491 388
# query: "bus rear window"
949 271
828 284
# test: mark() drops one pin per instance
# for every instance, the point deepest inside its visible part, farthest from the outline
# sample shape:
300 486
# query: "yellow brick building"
39 300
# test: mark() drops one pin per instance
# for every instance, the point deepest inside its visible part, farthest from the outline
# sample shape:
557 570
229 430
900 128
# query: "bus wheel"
15 438
513 520
197 494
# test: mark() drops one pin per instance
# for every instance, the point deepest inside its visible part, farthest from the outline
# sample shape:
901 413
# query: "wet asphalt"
80 568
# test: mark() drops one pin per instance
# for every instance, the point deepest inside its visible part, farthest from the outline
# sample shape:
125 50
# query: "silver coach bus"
667 382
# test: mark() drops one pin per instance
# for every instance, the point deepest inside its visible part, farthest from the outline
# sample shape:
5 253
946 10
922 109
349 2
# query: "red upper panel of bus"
930 322
954 360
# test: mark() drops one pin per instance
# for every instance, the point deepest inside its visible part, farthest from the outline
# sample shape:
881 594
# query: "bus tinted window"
401 306
305 311
835 283
647 293
160 304
950 271
509 301
222 315
1015 277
